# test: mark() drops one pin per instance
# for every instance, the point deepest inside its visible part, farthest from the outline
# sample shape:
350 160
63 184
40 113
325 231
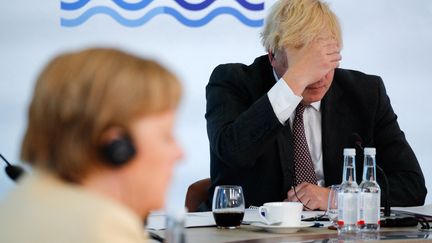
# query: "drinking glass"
332 206
228 206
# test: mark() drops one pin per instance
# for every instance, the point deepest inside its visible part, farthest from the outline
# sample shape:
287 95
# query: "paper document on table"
425 210
156 220
251 215
200 219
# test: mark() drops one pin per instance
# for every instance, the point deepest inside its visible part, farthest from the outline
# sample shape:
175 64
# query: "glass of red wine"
228 206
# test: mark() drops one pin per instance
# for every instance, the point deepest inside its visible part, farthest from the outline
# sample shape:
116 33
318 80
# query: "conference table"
251 234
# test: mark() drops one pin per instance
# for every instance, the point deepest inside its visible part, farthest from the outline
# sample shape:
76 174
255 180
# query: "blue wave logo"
160 10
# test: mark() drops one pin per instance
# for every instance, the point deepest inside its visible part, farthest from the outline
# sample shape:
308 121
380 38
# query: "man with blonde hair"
283 121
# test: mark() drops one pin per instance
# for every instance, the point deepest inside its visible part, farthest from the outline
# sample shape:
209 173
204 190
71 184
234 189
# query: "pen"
317 225
156 237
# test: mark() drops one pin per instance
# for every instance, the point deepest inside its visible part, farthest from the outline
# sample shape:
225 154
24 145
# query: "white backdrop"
390 38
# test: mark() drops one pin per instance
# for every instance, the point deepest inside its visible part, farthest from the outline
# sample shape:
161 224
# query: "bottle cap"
369 151
349 152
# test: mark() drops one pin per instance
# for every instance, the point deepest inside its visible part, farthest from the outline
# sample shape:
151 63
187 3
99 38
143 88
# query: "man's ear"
270 56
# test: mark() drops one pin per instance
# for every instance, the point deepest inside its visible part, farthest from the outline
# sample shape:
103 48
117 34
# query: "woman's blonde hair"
295 23
78 96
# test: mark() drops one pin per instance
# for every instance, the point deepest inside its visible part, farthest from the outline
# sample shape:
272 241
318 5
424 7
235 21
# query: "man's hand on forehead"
310 63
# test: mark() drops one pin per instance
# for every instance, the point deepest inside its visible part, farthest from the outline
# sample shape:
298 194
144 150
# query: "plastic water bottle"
175 222
370 194
348 195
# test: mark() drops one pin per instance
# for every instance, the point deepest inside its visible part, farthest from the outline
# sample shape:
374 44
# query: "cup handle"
263 212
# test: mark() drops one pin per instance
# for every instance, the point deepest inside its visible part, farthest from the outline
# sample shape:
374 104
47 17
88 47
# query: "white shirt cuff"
283 100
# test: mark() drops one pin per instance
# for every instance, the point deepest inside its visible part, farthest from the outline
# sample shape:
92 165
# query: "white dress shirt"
284 102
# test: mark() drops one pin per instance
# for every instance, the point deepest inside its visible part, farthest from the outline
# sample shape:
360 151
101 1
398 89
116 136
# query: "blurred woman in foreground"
100 141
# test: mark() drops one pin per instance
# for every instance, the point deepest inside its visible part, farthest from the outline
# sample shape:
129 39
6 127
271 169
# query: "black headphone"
118 151
12 171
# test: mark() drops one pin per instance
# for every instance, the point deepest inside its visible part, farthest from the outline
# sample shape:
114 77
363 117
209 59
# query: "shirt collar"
275 75
316 105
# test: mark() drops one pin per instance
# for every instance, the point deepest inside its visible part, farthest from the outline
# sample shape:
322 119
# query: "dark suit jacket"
251 148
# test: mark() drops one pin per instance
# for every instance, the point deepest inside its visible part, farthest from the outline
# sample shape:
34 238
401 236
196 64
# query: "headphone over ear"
119 151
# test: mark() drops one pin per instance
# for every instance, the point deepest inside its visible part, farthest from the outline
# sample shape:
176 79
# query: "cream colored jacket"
44 209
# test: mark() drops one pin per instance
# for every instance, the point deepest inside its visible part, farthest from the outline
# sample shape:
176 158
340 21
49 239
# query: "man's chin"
311 97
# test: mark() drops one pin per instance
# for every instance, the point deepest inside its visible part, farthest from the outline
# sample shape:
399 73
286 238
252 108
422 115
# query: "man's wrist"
295 83
283 100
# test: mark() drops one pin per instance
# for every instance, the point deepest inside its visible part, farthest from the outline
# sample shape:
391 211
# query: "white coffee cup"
288 213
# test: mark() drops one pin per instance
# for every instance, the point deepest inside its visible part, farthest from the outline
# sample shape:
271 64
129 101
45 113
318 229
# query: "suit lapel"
335 126
284 138
285 144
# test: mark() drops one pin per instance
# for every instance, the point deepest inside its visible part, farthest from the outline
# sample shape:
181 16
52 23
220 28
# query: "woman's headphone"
118 151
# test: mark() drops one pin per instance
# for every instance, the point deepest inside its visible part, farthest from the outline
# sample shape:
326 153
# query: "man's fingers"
291 193
307 201
294 199
331 49
304 195
301 186
329 43
294 195
298 193
312 196
312 205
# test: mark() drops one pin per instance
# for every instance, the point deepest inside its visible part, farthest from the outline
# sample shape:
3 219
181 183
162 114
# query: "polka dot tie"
304 170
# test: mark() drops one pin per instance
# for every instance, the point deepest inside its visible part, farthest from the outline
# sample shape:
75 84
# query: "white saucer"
282 229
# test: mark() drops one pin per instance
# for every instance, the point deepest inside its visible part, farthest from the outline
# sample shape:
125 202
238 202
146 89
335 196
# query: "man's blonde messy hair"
295 23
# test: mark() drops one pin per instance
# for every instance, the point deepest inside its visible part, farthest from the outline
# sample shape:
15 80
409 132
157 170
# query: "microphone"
357 141
14 172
